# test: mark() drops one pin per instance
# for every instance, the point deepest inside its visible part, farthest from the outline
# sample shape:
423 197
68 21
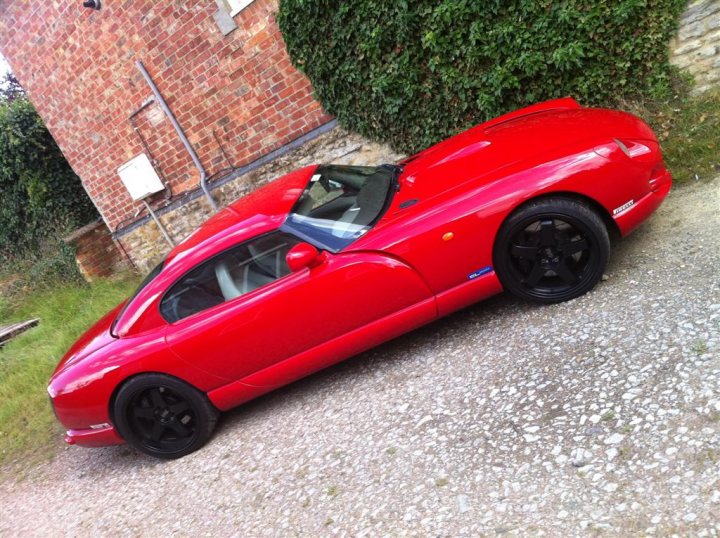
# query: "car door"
281 315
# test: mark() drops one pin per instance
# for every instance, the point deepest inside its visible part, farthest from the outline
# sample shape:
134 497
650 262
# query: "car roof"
268 204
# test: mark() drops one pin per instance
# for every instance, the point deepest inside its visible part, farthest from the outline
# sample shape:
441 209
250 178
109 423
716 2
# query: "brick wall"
697 46
95 251
237 96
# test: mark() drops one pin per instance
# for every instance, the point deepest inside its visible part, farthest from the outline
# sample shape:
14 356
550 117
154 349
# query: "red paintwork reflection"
412 267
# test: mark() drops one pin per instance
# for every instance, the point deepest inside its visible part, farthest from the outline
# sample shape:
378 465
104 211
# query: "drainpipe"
178 129
166 235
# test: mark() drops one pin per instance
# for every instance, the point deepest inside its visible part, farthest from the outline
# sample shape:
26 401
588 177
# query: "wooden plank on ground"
8 332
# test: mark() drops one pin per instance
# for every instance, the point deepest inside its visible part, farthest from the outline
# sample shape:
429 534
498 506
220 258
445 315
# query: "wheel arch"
596 206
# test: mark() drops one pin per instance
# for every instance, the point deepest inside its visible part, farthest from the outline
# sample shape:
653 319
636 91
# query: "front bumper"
94 437
636 214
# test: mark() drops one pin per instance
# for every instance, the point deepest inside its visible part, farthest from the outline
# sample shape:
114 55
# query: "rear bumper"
633 216
94 437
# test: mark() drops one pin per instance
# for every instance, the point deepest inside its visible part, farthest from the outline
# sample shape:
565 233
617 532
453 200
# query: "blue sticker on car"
480 272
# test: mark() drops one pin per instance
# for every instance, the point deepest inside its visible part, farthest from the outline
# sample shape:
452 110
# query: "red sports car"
329 261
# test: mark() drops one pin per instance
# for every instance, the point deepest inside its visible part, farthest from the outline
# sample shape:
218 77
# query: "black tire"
551 250
163 416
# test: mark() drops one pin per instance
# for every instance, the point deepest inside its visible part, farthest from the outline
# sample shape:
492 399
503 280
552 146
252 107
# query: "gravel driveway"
601 415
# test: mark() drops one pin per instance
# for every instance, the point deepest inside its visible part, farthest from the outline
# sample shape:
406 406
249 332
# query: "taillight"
632 149
635 150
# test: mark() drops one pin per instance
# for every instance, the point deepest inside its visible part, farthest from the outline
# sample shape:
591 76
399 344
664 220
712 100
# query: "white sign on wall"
236 6
140 178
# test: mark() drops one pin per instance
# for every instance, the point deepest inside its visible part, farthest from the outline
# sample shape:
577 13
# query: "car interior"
341 202
233 273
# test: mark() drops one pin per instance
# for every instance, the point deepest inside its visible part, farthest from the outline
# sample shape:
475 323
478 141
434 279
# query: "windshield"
340 204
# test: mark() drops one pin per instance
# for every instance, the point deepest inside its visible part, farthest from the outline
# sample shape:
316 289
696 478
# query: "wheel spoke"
178 407
573 247
547 233
157 398
565 273
522 251
143 412
538 271
178 428
157 431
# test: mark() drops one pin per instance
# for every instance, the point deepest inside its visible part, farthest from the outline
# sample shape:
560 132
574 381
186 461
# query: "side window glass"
231 274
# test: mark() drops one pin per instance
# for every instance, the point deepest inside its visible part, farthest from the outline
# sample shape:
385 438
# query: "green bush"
53 264
413 73
39 192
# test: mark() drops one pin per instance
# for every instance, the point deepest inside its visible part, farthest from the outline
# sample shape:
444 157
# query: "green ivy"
413 73
39 192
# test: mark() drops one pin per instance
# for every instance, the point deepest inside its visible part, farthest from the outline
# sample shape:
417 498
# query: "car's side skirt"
474 290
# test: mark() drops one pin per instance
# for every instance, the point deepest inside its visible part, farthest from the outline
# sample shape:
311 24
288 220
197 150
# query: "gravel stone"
506 418
614 439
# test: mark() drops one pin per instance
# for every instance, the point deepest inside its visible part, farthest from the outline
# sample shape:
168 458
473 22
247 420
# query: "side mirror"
304 255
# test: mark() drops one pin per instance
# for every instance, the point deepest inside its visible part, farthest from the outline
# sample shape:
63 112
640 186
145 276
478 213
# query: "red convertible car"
329 261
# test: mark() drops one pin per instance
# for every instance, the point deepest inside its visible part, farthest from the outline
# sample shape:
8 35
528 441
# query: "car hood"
96 337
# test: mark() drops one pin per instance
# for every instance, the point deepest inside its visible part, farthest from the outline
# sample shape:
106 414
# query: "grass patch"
27 425
688 128
700 347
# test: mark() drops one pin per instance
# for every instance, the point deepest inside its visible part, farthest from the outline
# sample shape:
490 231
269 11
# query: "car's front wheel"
163 416
551 250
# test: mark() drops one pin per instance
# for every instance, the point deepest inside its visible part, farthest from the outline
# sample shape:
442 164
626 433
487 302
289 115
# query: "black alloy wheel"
163 416
551 250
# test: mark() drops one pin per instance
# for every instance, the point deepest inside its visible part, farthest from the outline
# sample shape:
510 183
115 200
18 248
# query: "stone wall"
145 243
697 46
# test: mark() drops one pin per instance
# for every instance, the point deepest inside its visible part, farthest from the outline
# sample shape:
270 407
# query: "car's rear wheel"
551 250
163 416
